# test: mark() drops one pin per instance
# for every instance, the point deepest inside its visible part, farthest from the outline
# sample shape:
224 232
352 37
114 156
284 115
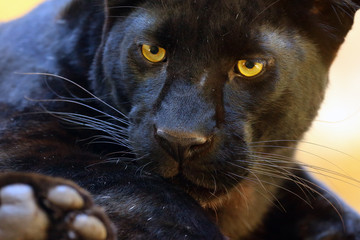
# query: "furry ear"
337 14
120 7
114 10
328 21
111 3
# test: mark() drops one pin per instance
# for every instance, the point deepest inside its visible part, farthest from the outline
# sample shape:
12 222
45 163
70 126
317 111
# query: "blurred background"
332 145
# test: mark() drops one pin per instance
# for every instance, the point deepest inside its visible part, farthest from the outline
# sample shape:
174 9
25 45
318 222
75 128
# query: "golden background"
333 143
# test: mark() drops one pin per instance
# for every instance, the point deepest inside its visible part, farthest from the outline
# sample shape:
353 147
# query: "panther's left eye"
249 68
154 54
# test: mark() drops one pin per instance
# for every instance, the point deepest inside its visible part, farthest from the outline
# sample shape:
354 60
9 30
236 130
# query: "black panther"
177 119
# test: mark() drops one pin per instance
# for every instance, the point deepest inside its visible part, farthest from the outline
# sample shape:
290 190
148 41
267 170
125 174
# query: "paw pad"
89 227
65 197
20 216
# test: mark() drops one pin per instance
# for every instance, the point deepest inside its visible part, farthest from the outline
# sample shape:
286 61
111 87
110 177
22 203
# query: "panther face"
213 88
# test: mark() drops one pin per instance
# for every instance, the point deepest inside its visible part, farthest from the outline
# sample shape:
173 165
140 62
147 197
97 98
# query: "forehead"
214 14
217 25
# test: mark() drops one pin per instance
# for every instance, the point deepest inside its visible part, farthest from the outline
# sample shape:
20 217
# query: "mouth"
199 193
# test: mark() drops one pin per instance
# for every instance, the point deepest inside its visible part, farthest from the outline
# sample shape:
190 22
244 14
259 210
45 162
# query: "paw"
34 207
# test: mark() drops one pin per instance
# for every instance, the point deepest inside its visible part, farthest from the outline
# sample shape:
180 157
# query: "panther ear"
336 14
328 21
116 8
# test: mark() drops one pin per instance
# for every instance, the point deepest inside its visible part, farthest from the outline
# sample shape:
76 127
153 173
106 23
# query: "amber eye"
249 68
153 54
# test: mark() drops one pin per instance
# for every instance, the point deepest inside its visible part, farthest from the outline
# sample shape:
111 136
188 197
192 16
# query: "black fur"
95 111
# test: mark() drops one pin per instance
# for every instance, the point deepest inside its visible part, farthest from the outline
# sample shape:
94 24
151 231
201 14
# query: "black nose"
182 145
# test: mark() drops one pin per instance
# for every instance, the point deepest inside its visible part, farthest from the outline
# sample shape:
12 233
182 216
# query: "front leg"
141 205
37 207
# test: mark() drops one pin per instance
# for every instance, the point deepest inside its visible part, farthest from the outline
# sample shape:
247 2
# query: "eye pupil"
249 64
154 50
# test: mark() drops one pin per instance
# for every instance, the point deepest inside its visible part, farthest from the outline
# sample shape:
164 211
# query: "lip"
199 193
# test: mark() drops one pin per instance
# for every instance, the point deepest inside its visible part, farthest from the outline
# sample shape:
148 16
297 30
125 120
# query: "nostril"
202 145
182 138
181 144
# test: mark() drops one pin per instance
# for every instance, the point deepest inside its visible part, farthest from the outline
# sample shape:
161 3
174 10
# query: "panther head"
217 92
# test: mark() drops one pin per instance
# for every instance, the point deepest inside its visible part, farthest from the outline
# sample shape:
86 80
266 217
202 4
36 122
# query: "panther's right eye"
154 54
249 68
